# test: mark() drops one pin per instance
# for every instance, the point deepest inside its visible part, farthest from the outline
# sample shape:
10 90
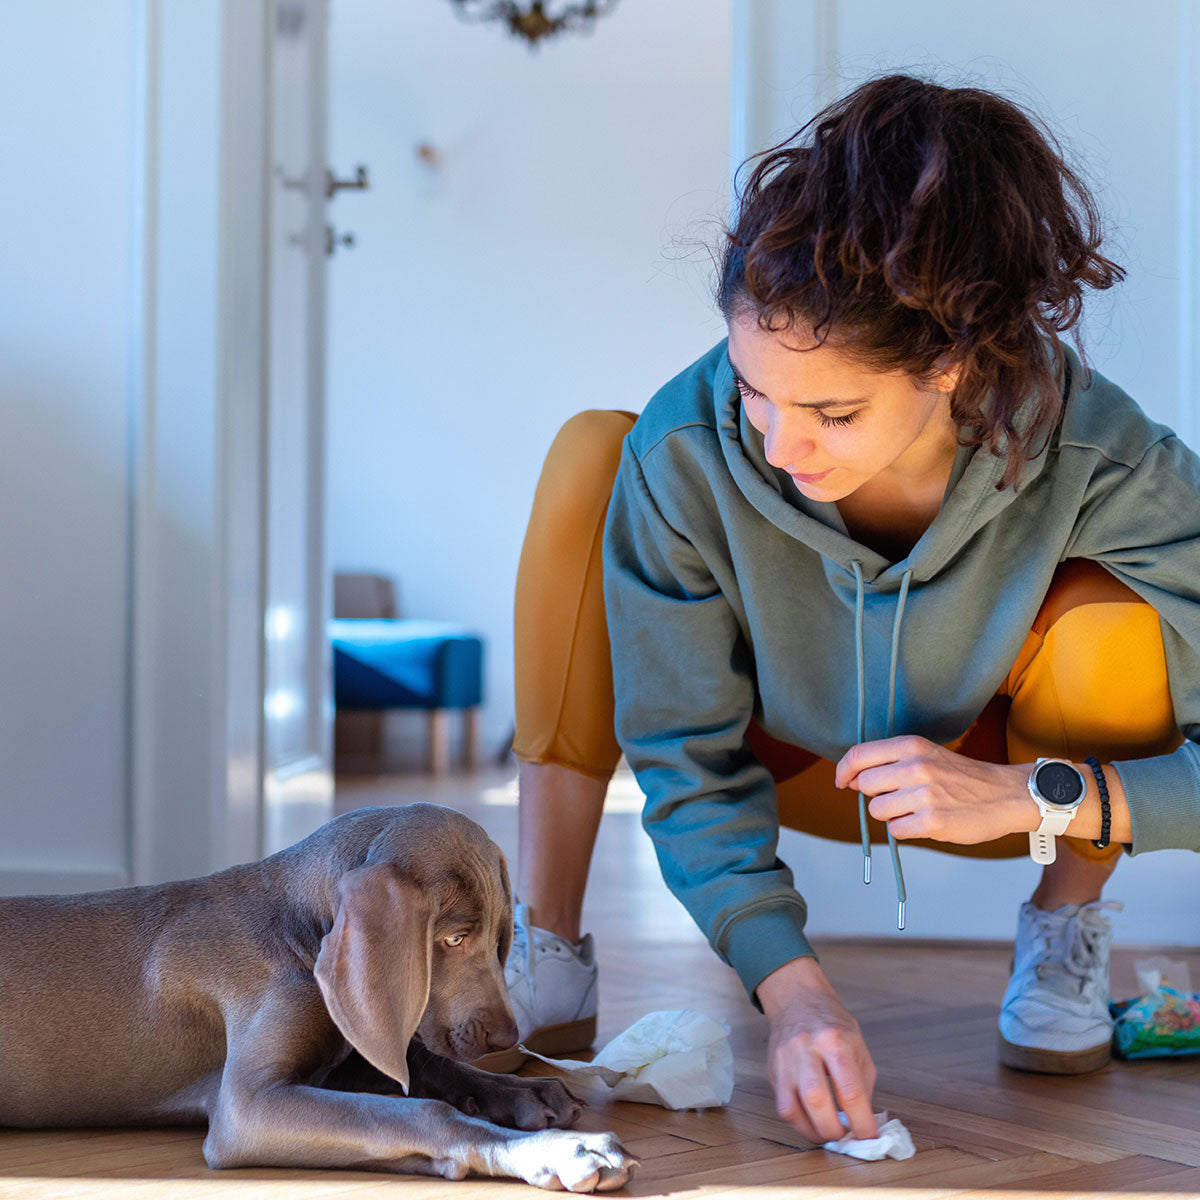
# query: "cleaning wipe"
894 1141
677 1059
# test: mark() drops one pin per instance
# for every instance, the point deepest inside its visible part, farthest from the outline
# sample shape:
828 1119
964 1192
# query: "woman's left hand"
927 791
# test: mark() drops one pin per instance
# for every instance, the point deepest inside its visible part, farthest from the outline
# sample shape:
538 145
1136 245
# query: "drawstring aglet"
901 890
866 836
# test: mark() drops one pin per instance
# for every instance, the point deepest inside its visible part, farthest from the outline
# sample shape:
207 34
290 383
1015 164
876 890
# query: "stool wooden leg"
470 738
439 741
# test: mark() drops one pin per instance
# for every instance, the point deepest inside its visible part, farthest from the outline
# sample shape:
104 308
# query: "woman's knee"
1093 675
586 451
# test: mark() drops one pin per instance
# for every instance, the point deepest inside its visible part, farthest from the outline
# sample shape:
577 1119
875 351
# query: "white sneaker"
552 989
1054 1017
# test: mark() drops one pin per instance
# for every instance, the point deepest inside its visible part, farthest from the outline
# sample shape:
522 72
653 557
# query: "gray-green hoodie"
731 596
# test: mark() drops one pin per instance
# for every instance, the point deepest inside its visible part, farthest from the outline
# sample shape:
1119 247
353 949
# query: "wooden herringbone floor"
928 1011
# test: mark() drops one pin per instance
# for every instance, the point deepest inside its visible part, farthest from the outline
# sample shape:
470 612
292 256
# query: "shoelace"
1073 948
520 949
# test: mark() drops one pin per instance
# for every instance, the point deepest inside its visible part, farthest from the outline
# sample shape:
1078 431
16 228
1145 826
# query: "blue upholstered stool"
431 665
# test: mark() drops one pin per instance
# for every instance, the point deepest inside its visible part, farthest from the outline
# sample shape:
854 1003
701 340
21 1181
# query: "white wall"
534 272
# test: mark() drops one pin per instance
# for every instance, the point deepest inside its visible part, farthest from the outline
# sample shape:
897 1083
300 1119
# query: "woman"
891 536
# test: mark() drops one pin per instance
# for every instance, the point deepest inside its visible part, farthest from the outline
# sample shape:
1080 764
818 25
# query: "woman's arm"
684 688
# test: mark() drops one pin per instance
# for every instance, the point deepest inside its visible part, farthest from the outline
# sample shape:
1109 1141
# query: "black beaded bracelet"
1105 811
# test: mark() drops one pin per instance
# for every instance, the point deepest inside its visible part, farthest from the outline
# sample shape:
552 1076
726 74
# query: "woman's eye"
455 939
828 422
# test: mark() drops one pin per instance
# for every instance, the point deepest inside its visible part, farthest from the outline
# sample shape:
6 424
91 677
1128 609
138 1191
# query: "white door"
298 713
166 700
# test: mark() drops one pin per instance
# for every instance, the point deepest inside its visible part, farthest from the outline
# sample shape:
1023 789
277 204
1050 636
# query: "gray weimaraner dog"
290 1003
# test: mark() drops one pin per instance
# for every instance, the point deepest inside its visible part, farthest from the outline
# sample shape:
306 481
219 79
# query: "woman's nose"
783 449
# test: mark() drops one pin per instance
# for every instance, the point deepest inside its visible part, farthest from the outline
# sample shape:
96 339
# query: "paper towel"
894 1141
676 1059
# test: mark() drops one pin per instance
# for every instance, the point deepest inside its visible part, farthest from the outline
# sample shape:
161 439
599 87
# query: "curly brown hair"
922 227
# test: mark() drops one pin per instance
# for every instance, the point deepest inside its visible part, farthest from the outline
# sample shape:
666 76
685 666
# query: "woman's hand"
816 1057
927 791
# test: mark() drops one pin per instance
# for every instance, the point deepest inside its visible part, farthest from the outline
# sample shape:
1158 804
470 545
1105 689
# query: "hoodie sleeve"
1142 523
684 684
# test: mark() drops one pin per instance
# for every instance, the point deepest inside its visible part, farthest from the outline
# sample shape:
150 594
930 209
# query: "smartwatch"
1058 790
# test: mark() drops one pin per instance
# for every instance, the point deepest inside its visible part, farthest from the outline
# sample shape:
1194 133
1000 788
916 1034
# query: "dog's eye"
455 939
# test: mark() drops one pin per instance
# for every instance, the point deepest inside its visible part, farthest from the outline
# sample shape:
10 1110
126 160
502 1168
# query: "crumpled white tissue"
894 1141
676 1059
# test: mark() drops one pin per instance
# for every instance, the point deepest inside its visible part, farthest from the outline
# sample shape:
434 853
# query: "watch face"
1059 784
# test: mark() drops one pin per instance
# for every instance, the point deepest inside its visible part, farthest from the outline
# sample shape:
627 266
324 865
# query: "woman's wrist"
1025 816
782 986
1087 822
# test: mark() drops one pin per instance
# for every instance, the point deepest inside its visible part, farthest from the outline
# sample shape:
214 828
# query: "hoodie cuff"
763 940
1163 794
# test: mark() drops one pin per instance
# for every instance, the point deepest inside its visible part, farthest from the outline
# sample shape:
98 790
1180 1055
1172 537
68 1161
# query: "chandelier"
536 19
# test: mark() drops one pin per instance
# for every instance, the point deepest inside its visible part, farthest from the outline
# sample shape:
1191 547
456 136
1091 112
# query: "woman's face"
832 423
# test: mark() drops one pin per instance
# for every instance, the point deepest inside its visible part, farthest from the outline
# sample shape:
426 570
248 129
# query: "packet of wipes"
1165 1020
676 1059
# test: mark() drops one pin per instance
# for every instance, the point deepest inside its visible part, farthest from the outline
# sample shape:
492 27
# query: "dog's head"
419 938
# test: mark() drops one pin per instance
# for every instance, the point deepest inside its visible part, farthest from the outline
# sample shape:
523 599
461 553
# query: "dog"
319 1008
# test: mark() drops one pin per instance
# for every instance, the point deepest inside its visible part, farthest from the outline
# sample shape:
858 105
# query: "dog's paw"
577 1162
538 1103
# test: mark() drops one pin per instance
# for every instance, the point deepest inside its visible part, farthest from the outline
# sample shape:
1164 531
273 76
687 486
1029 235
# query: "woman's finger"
866 755
906 828
878 781
892 805
816 1096
853 1095
789 1108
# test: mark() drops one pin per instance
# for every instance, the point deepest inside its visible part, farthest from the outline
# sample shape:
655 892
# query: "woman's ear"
947 377
374 966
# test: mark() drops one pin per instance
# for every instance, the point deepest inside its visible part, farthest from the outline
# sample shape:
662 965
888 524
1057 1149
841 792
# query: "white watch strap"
1041 840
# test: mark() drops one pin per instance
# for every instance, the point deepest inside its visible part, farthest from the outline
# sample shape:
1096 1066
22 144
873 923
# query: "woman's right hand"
817 1059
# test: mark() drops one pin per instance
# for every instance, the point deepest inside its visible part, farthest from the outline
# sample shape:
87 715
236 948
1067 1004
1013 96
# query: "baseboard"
59 881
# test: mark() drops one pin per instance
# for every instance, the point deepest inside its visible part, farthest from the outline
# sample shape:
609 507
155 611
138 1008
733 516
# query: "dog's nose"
502 1033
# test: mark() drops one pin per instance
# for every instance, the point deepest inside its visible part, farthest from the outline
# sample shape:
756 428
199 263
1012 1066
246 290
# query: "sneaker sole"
552 1040
1054 1062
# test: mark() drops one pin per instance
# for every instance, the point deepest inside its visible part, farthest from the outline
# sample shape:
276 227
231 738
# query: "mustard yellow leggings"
1091 677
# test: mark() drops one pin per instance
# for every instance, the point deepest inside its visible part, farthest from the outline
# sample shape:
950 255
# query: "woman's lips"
809 478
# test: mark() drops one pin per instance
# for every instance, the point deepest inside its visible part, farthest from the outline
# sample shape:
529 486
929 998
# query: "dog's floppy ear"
374 964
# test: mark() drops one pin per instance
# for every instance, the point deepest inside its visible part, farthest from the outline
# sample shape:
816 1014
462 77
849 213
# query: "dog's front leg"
536 1103
264 1117
292 1125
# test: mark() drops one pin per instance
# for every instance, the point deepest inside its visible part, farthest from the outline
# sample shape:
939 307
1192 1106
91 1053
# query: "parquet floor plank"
1125 1174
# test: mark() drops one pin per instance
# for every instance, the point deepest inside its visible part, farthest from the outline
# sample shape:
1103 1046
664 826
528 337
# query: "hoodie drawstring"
859 606
862 704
